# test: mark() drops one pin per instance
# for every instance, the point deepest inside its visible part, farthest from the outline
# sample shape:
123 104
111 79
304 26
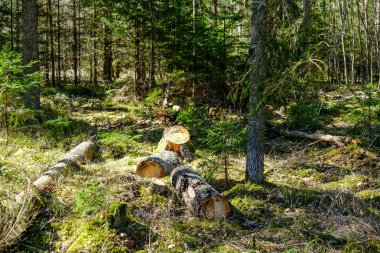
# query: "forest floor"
316 197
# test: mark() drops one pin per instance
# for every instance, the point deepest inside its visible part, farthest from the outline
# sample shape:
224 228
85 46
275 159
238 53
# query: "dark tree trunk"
75 45
138 76
258 57
11 9
30 49
52 55
59 41
107 56
306 19
95 57
152 69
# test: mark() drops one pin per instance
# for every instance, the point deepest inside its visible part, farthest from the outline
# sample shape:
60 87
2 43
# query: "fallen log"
198 196
338 140
81 153
175 139
158 165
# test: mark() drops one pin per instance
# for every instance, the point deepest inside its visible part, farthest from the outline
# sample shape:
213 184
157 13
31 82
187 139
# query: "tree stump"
198 196
174 139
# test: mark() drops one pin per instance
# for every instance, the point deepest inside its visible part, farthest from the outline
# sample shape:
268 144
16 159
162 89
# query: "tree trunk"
152 69
11 14
81 153
158 165
75 44
30 49
95 57
52 55
138 76
259 61
306 16
59 41
198 196
107 56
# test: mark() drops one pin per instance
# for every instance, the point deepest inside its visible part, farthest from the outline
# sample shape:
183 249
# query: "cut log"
198 196
338 140
158 165
80 154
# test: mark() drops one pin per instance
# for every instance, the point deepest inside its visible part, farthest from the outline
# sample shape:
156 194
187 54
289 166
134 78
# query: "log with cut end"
338 140
158 165
81 153
198 196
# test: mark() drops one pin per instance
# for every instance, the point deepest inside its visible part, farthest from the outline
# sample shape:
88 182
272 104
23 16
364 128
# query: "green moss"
247 189
118 144
117 216
91 236
349 182
251 208
91 199
373 195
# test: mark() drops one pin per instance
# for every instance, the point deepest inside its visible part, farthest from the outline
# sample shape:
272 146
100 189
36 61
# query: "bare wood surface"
158 165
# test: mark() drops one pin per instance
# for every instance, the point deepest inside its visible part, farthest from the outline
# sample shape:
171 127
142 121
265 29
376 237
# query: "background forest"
124 70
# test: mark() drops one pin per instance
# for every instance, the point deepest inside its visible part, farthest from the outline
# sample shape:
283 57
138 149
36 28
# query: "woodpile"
197 195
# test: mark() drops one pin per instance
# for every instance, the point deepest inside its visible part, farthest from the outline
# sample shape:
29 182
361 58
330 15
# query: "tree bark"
107 47
259 61
338 140
81 153
75 44
59 41
52 54
30 49
198 196
158 165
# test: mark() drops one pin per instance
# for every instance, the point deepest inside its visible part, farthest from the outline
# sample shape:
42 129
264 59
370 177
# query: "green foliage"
13 82
304 114
195 118
91 199
227 136
153 98
60 127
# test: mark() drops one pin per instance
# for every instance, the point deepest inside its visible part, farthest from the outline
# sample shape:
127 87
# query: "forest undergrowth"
316 197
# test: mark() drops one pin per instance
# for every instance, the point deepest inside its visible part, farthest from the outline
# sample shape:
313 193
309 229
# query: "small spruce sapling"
226 138
13 81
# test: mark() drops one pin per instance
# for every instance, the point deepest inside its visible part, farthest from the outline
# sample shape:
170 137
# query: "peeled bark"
338 140
158 165
81 153
198 196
